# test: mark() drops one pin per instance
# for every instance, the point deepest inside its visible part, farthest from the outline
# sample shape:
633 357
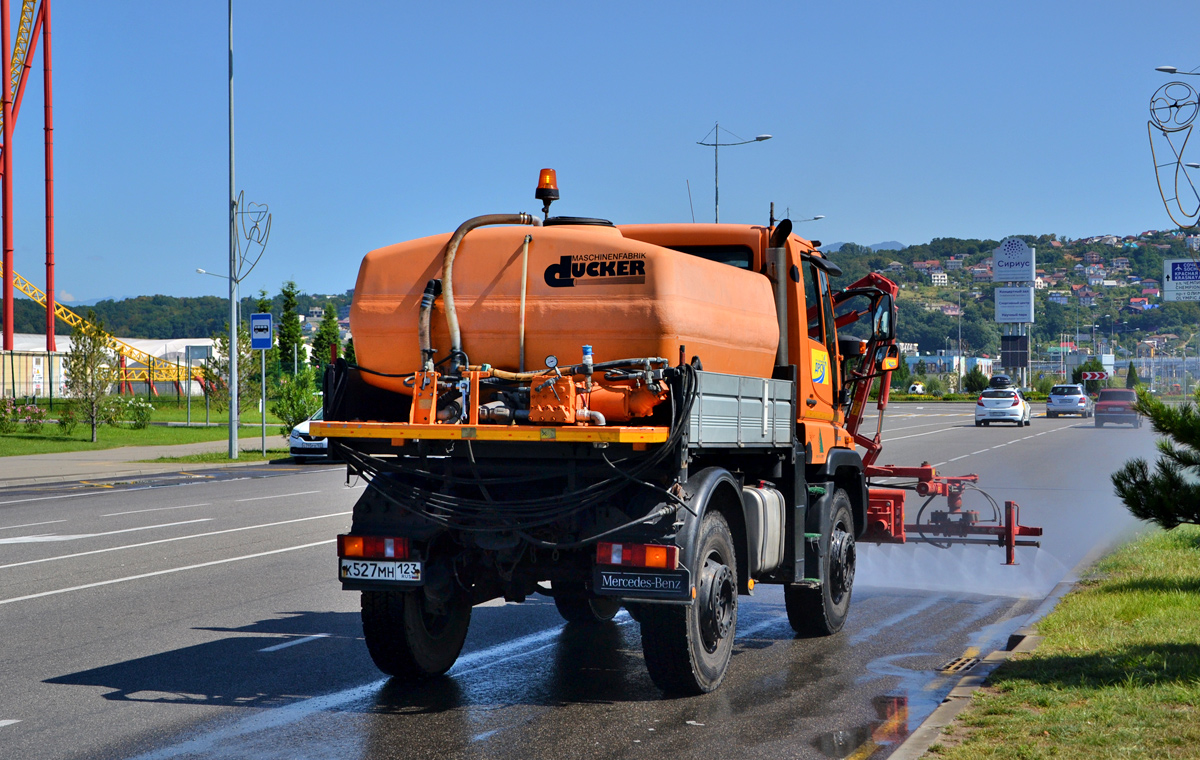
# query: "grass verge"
272 455
51 440
1118 674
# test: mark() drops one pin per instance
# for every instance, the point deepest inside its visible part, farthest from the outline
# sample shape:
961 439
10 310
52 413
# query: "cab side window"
813 304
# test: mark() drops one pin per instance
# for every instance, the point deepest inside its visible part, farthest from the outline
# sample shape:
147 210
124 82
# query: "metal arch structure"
1173 111
34 22
152 369
32 27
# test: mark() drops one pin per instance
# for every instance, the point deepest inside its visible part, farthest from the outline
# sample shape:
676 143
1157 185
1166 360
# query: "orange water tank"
586 284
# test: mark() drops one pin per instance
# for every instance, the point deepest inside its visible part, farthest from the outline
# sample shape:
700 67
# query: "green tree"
1091 365
216 372
921 367
351 357
975 381
297 399
91 370
1170 495
327 339
288 340
1131 377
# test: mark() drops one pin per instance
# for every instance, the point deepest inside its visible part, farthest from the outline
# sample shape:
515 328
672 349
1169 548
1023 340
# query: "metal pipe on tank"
448 265
778 258
524 287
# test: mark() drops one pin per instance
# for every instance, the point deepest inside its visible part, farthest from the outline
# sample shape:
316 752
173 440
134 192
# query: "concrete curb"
1023 640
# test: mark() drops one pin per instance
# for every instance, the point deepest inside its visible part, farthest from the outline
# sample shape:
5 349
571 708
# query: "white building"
940 278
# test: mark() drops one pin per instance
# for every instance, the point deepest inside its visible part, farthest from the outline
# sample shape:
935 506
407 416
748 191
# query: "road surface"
199 616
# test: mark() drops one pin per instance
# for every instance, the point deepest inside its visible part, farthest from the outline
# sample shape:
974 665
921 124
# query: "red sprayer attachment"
954 525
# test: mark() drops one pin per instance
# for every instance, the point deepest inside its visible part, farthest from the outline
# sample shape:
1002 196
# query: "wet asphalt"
199 616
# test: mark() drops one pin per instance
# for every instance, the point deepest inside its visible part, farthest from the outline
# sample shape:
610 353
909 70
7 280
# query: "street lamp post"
716 145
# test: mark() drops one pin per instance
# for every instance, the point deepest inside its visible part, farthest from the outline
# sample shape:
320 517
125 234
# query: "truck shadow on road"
235 671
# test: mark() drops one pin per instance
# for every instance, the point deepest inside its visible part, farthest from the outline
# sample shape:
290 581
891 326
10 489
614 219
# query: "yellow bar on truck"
404 431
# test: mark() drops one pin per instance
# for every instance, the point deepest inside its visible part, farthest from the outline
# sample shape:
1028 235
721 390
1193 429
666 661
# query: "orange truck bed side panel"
625 297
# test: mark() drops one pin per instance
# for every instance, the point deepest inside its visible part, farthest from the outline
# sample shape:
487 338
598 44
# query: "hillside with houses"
1099 294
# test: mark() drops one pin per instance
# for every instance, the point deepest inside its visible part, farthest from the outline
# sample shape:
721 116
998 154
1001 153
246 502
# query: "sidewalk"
108 463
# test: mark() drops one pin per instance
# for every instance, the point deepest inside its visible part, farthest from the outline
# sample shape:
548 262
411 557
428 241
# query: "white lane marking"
48 498
76 537
31 525
169 540
964 456
4 723
294 642
168 571
918 435
973 453
155 509
939 464
278 496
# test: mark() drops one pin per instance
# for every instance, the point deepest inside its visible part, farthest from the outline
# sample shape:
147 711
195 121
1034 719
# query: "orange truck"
658 417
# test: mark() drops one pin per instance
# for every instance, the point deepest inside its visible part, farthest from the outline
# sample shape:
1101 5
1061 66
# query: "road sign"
1181 280
1094 375
261 332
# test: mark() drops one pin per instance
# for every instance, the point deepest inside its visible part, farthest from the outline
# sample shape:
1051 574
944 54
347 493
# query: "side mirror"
889 358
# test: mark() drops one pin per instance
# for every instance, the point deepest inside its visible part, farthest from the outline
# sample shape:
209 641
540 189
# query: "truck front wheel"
409 640
687 649
822 611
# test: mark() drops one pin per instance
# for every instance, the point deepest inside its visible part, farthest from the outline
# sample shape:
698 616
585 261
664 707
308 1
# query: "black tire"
822 611
1028 422
986 423
1052 415
687 649
1099 423
299 460
406 642
583 610
978 423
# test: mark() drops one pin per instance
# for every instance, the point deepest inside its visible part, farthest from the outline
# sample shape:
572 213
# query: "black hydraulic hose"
433 289
448 266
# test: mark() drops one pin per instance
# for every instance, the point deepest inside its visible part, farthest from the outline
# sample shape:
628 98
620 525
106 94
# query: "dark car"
1117 405
1000 381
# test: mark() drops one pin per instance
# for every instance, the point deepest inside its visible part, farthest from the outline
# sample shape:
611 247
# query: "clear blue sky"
367 123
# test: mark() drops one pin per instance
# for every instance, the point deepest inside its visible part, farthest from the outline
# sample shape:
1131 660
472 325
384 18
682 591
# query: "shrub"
297 400
138 411
32 416
8 415
68 418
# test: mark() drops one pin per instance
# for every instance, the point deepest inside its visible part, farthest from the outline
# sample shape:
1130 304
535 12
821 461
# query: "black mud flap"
643 583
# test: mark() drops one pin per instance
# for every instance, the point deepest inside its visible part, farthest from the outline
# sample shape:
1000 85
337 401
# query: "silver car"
303 446
1069 399
1002 405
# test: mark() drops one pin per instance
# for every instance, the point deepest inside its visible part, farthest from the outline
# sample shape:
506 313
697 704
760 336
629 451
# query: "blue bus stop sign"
261 333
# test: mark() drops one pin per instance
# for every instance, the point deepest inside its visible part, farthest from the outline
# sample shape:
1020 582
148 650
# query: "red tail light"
1082 401
979 402
638 555
1016 401
373 547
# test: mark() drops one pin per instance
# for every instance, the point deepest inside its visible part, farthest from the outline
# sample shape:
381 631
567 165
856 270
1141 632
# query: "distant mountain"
94 301
888 245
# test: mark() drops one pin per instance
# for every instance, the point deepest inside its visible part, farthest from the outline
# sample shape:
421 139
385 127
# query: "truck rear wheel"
822 611
577 607
687 649
408 641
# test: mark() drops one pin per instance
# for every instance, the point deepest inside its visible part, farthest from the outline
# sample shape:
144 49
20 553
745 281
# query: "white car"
303 446
1002 405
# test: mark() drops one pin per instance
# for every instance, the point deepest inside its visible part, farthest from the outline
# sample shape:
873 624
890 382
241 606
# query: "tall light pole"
716 145
233 270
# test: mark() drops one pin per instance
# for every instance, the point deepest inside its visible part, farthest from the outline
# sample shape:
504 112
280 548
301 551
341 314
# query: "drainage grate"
959 665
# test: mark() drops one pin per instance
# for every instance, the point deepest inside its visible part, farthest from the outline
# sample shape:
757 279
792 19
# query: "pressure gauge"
551 361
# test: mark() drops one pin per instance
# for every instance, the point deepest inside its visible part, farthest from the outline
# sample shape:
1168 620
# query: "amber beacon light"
547 189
